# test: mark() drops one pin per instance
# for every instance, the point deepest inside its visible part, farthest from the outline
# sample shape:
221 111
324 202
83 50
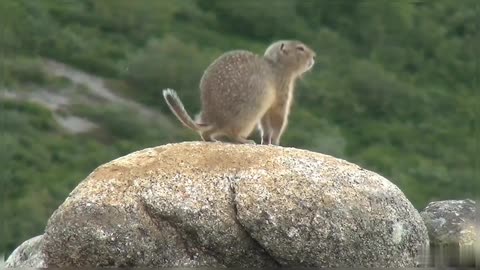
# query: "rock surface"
28 254
453 232
218 204
451 222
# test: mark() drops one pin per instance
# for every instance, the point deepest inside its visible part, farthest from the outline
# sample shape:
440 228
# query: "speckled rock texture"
451 221
216 204
28 254
453 227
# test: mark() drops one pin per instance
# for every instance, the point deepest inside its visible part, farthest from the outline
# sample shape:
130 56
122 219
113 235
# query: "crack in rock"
256 243
155 218
190 241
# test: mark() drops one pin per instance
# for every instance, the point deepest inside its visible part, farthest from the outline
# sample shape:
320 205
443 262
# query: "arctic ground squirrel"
241 90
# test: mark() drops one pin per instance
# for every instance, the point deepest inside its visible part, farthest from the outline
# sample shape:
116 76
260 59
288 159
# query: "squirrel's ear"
282 48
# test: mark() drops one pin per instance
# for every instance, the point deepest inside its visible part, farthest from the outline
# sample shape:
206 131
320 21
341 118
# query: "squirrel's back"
233 81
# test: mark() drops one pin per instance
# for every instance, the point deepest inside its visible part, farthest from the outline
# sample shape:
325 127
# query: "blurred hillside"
395 88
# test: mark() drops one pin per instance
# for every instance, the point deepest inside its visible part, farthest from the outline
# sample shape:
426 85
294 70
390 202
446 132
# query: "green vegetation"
395 88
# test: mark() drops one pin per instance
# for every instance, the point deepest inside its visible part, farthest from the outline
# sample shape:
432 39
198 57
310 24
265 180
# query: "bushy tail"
176 106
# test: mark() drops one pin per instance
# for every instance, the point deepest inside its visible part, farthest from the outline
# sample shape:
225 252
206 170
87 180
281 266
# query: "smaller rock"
28 254
453 232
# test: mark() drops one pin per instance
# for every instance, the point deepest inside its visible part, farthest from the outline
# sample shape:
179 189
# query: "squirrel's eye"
300 48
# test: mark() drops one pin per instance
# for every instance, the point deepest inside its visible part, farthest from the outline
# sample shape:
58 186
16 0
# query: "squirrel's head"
293 55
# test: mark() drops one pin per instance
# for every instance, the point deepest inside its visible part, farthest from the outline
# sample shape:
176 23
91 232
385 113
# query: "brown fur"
240 90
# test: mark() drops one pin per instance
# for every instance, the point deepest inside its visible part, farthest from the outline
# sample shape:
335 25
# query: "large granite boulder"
219 204
454 234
